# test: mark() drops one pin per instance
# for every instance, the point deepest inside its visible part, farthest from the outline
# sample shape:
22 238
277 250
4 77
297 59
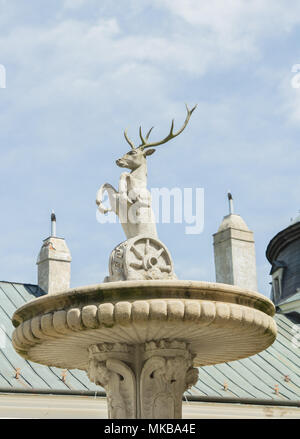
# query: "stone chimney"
54 263
234 252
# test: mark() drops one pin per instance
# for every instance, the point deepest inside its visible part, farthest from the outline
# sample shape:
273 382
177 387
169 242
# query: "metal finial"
230 200
53 224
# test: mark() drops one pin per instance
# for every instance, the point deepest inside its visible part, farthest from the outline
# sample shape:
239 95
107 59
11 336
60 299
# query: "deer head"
136 157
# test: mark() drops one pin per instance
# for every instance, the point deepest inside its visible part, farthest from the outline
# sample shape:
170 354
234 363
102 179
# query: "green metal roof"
32 375
253 378
290 299
257 376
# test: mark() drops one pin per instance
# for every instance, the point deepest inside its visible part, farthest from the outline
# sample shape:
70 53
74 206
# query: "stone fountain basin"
220 322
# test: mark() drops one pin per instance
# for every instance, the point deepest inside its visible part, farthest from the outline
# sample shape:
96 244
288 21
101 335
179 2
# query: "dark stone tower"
283 253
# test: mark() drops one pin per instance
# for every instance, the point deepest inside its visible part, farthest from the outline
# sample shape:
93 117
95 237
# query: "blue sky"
80 71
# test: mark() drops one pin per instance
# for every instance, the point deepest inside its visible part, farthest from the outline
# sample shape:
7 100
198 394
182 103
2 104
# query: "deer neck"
140 173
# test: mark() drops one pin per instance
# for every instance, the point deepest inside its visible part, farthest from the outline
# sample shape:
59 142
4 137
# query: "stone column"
144 381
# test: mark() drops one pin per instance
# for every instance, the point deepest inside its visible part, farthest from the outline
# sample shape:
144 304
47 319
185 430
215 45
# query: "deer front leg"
123 187
112 195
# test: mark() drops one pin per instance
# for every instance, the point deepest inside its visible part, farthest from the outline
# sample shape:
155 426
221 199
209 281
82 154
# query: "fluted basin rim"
114 292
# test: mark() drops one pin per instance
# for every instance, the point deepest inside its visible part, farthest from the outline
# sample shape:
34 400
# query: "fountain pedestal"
143 381
142 340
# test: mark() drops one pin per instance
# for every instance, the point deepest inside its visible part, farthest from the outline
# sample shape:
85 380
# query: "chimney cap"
233 221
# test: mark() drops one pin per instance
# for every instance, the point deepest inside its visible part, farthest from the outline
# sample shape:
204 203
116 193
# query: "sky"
78 72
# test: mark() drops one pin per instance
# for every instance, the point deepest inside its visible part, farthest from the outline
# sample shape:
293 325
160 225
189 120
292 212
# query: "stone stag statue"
132 202
142 255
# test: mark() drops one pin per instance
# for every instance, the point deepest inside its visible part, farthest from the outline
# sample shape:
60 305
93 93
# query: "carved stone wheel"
147 258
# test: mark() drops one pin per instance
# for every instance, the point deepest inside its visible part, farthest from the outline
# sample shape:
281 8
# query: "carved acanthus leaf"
119 382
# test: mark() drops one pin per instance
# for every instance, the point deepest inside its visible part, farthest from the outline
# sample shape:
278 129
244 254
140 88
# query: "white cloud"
73 4
237 17
232 31
290 107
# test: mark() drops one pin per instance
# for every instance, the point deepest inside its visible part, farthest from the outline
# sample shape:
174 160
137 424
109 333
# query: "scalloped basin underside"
221 322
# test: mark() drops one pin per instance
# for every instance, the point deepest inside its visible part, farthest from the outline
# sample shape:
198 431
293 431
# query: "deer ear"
149 152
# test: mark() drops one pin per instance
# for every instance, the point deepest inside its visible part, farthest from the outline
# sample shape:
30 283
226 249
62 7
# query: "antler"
128 140
170 136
